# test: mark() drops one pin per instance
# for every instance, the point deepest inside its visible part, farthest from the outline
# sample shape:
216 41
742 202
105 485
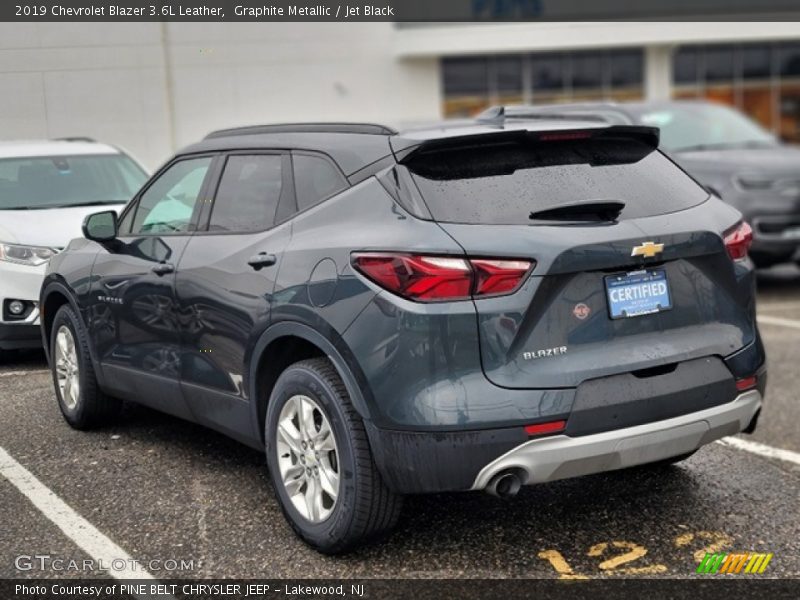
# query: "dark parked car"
724 150
466 307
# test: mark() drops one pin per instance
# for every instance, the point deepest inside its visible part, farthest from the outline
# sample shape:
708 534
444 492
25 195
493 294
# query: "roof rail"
75 138
363 128
500 114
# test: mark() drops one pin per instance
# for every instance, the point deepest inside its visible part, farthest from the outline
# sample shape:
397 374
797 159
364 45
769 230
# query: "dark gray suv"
465 307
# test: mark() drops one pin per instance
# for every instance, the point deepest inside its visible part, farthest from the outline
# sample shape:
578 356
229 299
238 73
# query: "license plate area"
637 293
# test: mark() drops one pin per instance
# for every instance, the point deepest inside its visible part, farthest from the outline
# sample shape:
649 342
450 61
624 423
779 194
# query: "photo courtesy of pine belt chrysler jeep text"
471 306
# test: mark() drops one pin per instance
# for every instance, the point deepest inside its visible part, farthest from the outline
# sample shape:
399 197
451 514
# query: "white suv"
46 190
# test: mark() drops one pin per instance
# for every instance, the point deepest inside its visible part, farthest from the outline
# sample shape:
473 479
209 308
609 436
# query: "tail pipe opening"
505 484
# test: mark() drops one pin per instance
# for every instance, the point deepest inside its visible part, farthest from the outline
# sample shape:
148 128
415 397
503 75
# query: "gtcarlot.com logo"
47 562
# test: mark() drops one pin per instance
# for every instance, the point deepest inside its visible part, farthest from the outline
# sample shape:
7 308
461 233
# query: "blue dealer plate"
638 293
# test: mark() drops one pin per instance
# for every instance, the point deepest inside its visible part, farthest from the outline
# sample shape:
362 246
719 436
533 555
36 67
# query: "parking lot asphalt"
163 489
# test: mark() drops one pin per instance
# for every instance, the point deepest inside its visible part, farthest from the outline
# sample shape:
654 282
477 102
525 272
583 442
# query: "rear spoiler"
406 148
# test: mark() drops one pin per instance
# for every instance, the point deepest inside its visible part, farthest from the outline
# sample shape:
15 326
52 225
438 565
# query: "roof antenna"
496 115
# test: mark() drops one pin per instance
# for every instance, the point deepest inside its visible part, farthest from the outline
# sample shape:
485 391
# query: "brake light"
543 428
738 241
432 278
746 383
565 135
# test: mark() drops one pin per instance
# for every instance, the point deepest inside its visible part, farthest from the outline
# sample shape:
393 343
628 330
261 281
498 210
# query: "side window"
315 179
248 193
167 205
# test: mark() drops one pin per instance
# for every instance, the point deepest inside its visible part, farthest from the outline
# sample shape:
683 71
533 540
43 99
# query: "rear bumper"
423 462
561 457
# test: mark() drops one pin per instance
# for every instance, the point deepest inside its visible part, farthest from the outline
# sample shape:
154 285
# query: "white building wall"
152 87
482 38
104 81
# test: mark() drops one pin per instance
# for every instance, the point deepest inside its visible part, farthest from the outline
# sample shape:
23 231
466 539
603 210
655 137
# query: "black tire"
365 508
92 407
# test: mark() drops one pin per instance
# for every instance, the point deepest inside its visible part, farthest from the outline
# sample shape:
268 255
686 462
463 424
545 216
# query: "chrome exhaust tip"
504 485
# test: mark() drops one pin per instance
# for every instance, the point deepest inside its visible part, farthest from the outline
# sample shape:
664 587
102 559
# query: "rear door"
612 292
225 283
131 315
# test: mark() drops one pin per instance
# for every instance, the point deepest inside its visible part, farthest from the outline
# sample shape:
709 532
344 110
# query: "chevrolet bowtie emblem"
647 250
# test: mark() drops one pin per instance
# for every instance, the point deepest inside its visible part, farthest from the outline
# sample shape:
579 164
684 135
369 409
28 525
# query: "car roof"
354 146
351 151
32 148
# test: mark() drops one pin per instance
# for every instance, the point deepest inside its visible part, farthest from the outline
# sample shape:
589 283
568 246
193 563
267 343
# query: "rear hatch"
631 272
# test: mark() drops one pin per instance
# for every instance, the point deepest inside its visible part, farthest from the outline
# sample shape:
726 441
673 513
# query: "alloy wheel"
307 458
67 372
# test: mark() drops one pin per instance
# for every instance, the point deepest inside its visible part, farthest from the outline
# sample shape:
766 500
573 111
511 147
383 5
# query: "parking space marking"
778 305
781 322
85 535
762 449
16 373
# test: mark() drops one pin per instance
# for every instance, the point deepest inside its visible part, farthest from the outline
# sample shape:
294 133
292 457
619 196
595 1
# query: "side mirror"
100 226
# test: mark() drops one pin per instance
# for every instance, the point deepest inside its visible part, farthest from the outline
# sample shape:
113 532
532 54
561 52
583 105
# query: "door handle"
163 268
262 259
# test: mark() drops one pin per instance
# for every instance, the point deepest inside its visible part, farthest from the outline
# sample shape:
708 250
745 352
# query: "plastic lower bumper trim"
561 457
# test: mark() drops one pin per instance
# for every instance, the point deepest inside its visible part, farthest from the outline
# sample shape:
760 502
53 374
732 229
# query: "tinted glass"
756 62
167 205
789 58
469 76
627 68
685 63
48 182
548 72
315 179
503 183
508 74
248 193
587 70
719 63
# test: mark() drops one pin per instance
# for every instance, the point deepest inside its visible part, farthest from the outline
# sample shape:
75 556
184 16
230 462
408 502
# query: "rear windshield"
503 183
61 181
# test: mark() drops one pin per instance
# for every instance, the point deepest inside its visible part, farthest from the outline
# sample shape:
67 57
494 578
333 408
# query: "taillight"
738 241
545 428
418 277
746 383
432 278
498 276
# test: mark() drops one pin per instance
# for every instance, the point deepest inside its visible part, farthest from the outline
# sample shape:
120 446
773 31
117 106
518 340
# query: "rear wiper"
602 210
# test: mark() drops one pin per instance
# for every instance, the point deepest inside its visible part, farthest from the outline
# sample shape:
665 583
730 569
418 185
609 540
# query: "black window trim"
345 181
287 189
133 205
